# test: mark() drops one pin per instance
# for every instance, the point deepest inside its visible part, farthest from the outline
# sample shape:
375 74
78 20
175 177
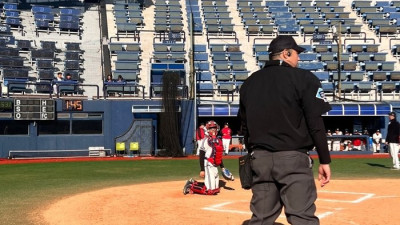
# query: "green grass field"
24 187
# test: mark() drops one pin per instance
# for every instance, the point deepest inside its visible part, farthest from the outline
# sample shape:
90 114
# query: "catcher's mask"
212 124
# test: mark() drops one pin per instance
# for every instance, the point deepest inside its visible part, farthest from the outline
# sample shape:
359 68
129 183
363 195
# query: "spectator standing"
280 112
336 142
226 137
392 139
377 139
356 141
329 135
347 142
200 134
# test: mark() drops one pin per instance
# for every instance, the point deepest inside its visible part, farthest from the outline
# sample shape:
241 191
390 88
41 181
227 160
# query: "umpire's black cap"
392 114
283 42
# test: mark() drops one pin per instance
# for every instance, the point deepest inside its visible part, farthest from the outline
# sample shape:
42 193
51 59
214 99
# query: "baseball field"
146 190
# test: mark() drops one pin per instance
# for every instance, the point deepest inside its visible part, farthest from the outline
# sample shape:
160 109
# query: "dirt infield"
355 202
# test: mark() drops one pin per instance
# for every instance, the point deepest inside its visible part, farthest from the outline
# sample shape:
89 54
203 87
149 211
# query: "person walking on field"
280 112
392 139
226 137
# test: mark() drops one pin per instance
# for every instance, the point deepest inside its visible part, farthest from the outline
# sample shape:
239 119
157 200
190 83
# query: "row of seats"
362 87
193 11
300 18
382 17
27 63
330 76
66 20
216 18
128 18
168 16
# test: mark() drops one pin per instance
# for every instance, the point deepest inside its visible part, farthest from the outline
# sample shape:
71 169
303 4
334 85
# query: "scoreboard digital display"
34 109
72 105
6 105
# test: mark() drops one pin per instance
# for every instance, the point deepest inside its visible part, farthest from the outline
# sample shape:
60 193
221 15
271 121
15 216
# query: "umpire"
280 112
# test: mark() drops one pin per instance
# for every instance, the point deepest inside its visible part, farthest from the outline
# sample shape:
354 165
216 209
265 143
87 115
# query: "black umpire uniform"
280 112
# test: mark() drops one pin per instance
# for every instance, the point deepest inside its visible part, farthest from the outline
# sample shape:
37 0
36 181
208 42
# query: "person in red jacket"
226 137
200 134
357 141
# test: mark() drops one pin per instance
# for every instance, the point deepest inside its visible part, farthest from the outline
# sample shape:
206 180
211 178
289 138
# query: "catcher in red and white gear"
211 152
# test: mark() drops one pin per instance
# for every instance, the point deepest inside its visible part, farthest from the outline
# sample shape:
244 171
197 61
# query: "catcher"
211 152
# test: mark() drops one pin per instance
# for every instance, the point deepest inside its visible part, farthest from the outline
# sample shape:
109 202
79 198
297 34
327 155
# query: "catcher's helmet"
212 124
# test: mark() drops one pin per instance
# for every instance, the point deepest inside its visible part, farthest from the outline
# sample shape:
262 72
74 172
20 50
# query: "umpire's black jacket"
393 132
280 110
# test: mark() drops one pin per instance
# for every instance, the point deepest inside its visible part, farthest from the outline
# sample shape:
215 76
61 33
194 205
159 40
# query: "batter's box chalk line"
221 207
358 196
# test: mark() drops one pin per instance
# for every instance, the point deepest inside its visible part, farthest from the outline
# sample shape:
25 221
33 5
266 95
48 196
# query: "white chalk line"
217 208
364 196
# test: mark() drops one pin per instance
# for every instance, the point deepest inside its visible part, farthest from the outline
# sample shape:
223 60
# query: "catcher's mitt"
227 174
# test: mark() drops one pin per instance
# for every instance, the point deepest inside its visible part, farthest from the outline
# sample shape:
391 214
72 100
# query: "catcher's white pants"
394 153
211 179
225 144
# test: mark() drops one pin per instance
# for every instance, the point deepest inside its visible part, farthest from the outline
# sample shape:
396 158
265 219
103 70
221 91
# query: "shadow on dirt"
246 222
222 184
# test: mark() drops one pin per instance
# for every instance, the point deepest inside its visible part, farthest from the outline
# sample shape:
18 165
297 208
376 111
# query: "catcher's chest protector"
217 151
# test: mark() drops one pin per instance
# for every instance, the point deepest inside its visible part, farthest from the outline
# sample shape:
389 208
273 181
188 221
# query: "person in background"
226 137
392 139
120 78
109 78
356 141
58 78
68 77
337 142
328 135
377 139
200 134
347 142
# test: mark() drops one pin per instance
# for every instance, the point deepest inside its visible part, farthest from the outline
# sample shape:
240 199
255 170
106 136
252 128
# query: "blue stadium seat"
223 75
203 56
322 75
42 9
203 76
328 87
315 66
205 87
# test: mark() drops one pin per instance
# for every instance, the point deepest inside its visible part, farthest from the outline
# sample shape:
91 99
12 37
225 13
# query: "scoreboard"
34 109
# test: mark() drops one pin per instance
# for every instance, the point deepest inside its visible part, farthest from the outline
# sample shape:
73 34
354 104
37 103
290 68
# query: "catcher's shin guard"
213 192
200 188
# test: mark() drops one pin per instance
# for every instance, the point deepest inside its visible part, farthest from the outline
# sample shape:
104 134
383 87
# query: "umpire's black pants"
280 179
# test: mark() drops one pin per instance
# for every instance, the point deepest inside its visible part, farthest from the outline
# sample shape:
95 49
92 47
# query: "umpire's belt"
263 148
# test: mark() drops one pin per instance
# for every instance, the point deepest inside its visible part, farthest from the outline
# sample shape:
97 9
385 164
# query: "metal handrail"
123 84
185 89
